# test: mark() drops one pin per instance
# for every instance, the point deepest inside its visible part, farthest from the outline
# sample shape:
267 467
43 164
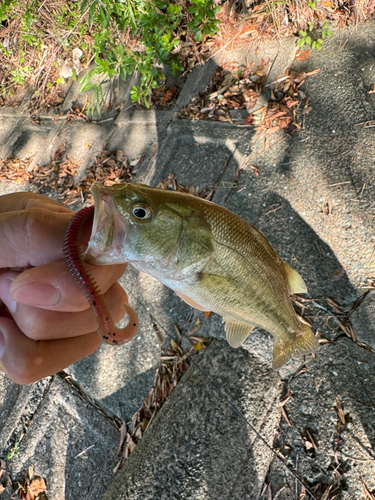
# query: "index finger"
32 237
25 200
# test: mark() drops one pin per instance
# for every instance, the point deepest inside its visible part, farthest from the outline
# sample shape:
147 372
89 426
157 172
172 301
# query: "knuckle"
24 372
34 222
36 326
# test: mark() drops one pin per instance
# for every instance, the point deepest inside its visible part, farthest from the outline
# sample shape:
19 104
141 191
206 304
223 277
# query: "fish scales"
213 259
246 256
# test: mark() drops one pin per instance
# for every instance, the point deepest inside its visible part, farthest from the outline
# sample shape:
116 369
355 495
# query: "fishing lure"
107 330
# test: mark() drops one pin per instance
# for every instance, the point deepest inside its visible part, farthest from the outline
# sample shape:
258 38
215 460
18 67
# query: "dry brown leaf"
272 130
367 492
248 120
36 486
303 55
340 411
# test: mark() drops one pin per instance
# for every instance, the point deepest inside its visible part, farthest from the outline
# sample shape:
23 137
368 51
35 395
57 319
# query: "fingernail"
4 294
2 344
37 294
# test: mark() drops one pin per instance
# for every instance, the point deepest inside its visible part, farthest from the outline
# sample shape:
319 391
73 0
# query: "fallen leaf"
338 274
248 120
303 55
37 486
340 411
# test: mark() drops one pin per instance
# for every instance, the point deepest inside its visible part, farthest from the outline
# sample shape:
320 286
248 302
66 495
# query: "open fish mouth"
108 230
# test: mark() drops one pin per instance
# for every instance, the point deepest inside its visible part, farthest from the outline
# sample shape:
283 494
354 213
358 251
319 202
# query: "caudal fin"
304 343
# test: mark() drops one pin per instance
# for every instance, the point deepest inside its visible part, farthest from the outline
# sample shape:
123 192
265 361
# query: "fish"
213 260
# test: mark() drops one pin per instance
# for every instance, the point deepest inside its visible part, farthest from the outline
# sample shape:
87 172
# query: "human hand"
46 323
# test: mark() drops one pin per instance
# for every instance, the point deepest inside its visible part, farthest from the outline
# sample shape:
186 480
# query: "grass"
44 44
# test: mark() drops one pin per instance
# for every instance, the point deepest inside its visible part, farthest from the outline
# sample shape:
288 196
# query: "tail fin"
304 343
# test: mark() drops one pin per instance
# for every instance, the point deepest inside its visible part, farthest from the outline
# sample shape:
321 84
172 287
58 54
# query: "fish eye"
142 211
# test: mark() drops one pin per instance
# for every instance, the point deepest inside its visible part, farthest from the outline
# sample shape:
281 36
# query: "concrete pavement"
314 200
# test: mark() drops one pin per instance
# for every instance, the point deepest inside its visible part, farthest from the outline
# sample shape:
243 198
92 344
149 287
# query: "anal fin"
237 332
296 283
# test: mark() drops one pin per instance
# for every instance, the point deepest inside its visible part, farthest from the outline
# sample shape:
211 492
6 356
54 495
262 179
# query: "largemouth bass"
213 259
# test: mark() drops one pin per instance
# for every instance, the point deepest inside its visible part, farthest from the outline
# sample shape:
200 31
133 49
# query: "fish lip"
108 229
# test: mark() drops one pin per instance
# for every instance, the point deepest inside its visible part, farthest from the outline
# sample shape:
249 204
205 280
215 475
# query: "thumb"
32 237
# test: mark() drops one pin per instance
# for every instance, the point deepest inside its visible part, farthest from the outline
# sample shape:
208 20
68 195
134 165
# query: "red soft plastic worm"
73 256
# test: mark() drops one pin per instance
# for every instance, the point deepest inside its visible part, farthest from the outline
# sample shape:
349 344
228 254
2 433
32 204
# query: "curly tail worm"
73 256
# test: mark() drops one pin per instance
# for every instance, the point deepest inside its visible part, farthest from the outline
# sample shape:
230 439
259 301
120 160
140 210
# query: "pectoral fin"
190 301
237 332
296 283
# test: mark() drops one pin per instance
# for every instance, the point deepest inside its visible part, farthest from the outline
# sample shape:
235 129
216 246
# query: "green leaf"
303 33
87 77
84 5
302 42
3 49
103 17
308 40
198 36
89 87
92 11
329 33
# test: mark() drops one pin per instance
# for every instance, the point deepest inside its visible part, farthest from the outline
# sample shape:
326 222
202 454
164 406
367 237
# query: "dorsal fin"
296 283
237 332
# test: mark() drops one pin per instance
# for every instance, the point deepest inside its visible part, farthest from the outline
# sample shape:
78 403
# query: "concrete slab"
11 124
362 320
17 406
342 374
314 200
120 378
139 133
197 447
71 445
198 152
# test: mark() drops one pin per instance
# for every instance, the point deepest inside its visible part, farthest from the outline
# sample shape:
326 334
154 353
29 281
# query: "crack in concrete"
68 379
25 421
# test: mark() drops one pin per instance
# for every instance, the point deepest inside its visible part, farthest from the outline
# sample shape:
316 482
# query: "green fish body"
213 259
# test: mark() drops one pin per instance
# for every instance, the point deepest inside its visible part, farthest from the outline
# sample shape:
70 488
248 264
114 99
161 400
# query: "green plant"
21 74
204 22
155 24
14 451
311 4
326 31
4 10
311 38
122 37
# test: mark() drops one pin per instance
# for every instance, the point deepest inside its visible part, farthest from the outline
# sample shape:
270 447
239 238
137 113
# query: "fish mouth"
109 230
